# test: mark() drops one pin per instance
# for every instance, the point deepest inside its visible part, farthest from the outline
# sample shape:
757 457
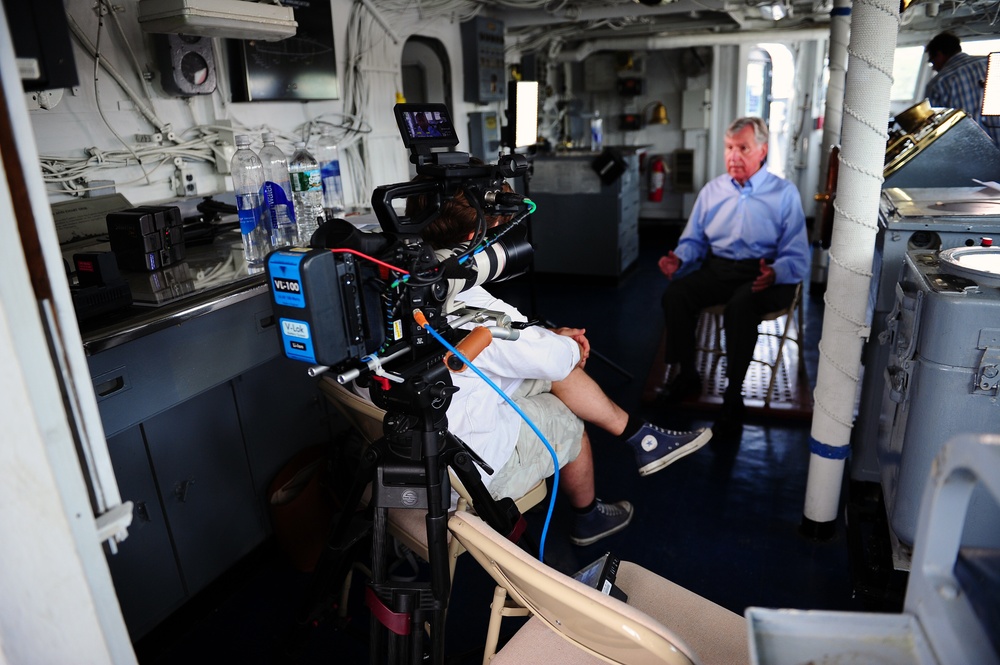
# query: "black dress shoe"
683 387
728 426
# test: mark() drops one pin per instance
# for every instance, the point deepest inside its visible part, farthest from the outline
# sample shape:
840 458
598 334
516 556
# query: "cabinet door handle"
181 490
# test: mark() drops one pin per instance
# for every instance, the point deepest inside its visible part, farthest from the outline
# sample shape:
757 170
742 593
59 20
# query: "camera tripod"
407 468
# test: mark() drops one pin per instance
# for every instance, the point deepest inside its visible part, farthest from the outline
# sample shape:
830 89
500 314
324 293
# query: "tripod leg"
502 515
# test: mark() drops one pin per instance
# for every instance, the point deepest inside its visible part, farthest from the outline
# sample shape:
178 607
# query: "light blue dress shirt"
762 219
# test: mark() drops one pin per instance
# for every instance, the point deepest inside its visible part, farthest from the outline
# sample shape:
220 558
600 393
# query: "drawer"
150 374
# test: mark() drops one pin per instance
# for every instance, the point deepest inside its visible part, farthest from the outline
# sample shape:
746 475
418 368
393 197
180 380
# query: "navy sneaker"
604 520
656 448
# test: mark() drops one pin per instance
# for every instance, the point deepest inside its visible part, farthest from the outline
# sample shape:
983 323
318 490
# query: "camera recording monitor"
601 575
425 126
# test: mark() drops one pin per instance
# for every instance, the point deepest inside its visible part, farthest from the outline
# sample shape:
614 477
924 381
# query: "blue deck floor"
722 522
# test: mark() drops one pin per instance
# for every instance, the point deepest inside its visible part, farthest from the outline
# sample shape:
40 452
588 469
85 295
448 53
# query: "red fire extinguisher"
657 174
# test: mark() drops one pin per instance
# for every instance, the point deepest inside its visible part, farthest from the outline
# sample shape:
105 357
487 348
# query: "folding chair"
711 328
662 623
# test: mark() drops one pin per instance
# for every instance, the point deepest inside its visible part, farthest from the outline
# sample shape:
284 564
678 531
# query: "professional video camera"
358 303
347 302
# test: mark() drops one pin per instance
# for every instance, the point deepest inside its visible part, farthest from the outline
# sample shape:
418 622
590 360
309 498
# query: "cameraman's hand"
578 336
669 264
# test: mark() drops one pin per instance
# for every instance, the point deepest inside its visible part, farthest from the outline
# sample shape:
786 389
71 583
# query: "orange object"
470 347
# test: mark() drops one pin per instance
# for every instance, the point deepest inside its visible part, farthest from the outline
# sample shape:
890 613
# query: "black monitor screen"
425 125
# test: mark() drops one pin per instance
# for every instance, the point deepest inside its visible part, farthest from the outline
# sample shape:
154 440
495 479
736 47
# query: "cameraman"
543 374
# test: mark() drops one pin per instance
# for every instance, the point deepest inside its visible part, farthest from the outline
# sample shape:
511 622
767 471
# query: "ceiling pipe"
535 18
663 42
840 34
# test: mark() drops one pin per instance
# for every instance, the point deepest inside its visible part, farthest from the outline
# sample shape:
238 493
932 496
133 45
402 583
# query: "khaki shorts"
531 461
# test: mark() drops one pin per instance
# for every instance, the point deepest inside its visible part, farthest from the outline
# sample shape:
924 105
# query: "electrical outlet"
183 179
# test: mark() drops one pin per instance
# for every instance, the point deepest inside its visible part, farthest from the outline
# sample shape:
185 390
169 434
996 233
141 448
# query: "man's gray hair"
760 132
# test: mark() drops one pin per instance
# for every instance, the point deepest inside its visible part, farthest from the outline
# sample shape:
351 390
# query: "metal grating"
791 389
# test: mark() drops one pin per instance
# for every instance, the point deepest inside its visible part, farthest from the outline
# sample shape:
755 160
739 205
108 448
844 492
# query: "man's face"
936 60
744 156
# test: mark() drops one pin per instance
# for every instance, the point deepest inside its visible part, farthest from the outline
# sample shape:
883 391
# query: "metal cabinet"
909 219
201 413
145 572
581 226
197 453
941 334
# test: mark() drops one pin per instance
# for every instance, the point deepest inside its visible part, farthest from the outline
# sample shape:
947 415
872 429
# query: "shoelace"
672 432
610 509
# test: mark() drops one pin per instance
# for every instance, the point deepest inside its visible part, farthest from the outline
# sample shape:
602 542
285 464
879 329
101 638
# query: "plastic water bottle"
596 132
248 178
307 192
277 194
329 165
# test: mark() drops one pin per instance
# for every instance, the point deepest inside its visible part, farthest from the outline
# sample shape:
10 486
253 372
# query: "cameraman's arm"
536 354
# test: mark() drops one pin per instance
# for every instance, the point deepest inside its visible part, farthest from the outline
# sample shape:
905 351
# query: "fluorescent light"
774 11
991 91
525 94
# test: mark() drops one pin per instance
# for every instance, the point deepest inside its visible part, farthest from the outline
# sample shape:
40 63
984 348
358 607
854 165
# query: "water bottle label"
273 195
249 219
331 169
304 181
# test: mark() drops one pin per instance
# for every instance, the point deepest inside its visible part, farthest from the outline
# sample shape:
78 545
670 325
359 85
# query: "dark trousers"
716 282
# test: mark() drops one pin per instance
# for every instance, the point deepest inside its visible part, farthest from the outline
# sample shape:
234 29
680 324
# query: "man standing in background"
959 82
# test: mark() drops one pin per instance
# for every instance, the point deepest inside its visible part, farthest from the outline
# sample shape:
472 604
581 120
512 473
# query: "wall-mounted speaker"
187 64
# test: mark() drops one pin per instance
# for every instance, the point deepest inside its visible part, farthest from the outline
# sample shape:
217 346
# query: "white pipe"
845 325
538 17
377 15
840 32
662 42
143 108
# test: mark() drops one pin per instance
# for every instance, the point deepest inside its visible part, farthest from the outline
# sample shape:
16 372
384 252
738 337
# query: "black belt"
732 261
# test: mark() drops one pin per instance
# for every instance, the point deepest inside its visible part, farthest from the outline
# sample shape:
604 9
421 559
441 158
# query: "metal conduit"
845 325
692 39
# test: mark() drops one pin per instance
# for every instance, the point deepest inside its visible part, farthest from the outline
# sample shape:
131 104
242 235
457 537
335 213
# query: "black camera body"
352 295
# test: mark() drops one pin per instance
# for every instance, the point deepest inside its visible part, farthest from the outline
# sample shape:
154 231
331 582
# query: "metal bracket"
897 379
988 376
112 526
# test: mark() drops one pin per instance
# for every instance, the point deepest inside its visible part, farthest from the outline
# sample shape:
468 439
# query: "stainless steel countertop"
210 277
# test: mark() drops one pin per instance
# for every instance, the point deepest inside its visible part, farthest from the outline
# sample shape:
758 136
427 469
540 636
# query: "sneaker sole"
583 542
683 451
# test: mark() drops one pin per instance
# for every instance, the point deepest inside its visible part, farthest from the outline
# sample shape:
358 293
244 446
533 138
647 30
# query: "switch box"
482 48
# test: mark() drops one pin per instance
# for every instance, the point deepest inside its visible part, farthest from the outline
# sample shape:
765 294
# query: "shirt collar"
955 61
754 181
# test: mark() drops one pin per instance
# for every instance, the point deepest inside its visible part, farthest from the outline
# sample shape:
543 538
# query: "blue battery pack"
319 306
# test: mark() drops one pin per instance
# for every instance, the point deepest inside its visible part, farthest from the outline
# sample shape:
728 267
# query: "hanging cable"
555 459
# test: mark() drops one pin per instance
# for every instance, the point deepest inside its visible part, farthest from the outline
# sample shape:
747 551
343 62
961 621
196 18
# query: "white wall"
75 123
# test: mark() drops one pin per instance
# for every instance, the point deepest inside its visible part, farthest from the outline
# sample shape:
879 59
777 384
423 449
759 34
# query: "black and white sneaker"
656 448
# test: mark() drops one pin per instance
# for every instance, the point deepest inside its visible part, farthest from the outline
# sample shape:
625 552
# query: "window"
906 67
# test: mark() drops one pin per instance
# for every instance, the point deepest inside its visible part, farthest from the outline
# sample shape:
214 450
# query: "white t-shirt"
478 415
